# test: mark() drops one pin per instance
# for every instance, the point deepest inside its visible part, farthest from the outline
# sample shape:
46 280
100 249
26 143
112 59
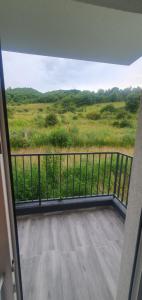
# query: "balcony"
71 254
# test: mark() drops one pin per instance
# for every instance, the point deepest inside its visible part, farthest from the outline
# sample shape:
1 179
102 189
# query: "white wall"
5 263
133 217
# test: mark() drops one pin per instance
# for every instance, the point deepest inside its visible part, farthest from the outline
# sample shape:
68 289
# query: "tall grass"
27 128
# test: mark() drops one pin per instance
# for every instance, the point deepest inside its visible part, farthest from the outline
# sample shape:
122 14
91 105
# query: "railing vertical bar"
39 181
80 174
92 177
116 172
86 174
120 176
47 177
60 175
124 179
98 179
24 177
31 169
73 172
104 173
67 183
16 177
129 180
53 185
110 173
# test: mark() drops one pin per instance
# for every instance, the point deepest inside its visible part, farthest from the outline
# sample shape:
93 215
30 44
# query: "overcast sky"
50 73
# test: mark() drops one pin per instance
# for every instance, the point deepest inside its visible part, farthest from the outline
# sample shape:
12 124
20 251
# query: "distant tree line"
69 99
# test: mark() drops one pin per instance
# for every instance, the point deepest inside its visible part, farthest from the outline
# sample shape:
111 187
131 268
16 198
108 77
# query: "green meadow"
45 127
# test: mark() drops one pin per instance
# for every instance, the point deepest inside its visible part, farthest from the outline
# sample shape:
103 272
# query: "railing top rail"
62 153
70 153
125 154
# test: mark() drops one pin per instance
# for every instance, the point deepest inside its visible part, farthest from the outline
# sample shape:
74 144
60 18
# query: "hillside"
71 97
22 95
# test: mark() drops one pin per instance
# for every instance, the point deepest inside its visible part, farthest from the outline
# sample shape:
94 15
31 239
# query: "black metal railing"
122 178
40 177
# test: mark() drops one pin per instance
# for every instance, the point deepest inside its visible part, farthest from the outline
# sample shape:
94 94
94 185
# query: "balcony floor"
71 255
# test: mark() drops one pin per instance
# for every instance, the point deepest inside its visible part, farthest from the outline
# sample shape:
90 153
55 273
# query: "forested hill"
72 97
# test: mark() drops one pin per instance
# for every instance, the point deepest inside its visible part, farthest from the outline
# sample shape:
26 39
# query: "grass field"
74 131
87 129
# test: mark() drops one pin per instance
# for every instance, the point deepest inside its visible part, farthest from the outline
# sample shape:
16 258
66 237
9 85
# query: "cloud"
50 73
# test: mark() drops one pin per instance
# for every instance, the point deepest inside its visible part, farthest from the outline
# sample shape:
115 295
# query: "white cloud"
49 73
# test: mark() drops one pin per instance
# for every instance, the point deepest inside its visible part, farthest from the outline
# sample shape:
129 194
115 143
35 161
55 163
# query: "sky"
46 73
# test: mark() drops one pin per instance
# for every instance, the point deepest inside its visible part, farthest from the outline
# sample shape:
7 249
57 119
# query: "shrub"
123 114
122 124
108 108
18 140
60 137
60 109
40 109
115 123
75 117
68 106
125 123
93 116
51 120
132 104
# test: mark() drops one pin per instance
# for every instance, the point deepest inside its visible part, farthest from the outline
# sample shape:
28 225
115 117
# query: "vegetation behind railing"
70 175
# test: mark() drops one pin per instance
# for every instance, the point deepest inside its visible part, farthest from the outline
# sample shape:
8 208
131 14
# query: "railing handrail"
127 155
70 153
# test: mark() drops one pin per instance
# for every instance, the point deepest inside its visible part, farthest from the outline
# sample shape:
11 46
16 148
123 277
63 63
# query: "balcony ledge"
33 207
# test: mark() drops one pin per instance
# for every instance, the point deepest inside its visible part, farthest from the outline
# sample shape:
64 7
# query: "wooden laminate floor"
72 255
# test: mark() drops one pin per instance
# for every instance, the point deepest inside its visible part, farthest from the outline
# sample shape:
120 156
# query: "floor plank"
71 255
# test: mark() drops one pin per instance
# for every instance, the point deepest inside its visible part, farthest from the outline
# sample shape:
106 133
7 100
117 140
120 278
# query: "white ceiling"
124 5
66 28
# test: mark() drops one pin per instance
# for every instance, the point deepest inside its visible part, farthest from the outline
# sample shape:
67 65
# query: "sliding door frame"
7 166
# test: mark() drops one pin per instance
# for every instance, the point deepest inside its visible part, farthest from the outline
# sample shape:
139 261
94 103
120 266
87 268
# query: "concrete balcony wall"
132 221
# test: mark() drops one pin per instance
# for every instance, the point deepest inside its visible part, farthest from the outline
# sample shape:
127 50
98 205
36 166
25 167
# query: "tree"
132 104
71 98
